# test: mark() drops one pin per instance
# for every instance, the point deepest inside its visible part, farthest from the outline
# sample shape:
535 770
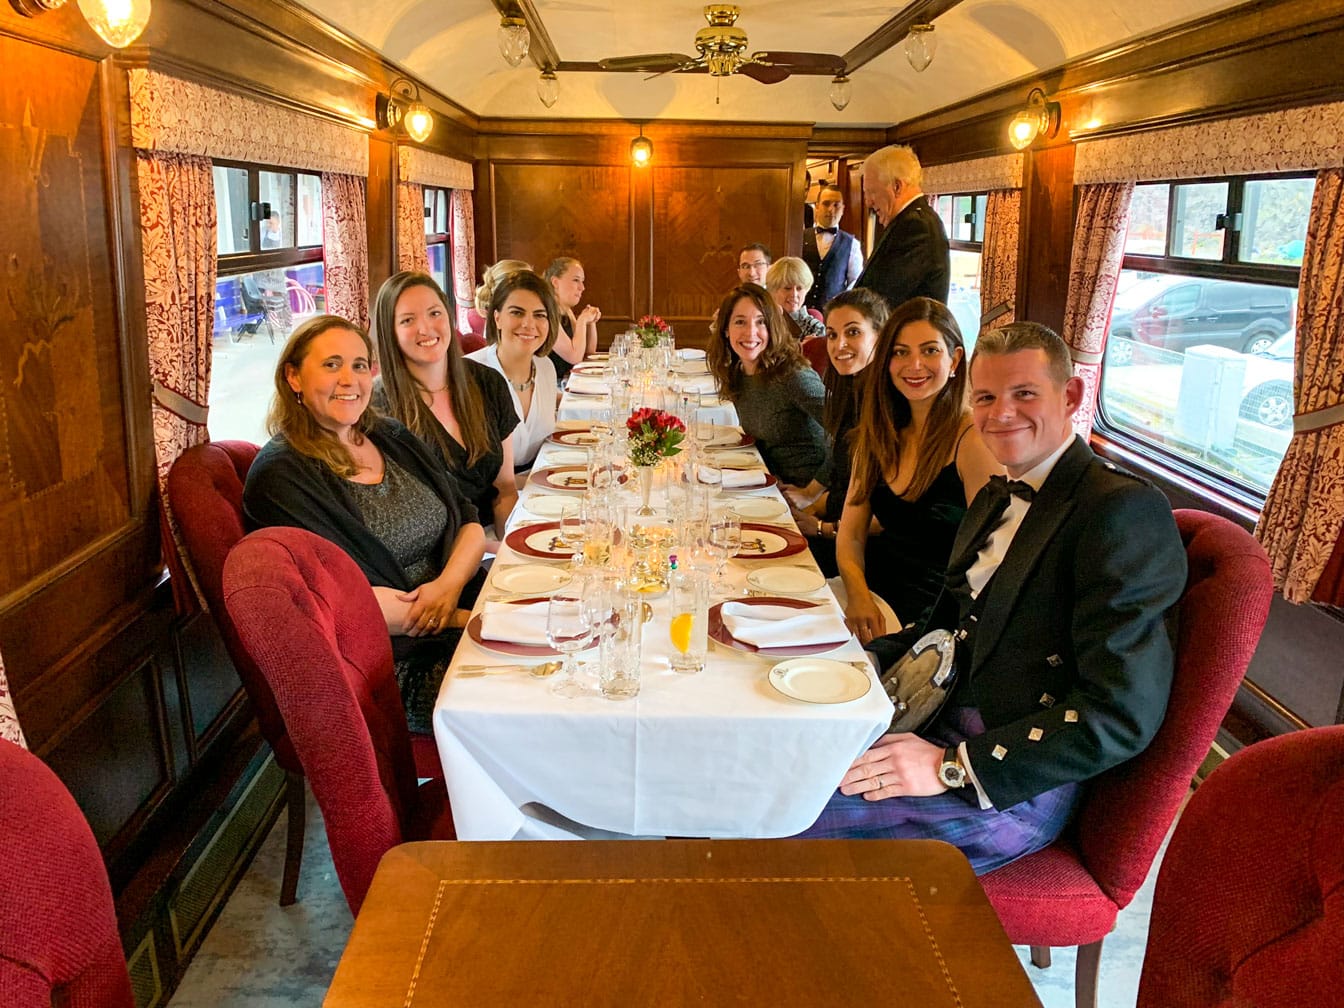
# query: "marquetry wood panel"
701 218
1046 241
541 211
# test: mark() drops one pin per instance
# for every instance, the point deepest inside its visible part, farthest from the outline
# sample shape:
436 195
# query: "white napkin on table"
582 384
702 383
770 626
740 479
518 624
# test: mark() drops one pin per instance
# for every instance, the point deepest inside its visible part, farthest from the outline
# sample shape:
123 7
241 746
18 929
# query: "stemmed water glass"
569 629
725 540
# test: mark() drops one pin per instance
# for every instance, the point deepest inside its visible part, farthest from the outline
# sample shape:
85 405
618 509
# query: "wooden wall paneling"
540 211
642 243
381 196
1046 241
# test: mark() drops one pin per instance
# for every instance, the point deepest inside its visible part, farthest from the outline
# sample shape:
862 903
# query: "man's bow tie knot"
1001 487
826 230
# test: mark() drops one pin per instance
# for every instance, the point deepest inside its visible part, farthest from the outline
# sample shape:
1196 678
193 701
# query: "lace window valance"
1003 171
424 168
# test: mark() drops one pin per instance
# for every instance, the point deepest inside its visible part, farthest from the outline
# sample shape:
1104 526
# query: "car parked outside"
1175 313
1269 384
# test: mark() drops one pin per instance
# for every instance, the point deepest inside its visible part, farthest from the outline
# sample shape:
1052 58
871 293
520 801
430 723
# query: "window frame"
962 245
1215 485
257 258
434 239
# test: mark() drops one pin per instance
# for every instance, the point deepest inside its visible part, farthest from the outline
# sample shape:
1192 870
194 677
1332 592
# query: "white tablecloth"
717 754
588 407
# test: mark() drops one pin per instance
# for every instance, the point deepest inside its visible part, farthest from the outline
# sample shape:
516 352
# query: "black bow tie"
1001 487
830 231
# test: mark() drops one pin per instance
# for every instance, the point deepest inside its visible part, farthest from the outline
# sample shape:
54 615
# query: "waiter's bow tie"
830 231
1001 487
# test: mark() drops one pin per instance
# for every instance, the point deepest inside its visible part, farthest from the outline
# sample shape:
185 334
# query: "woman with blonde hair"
337 468
460 408
918 461
579 332
788 280
779 398
520 329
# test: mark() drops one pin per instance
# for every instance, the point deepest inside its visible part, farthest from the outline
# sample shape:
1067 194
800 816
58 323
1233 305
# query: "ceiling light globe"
419 122
548 88
841 92
117 22
920 46
641 150
514 40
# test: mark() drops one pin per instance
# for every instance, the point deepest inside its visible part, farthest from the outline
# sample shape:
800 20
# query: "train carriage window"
270 278
438 235
1199 356
963 217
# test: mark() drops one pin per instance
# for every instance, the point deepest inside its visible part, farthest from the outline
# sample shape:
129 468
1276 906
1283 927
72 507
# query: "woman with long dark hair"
578 332
779 398
337 468
460 408
917 463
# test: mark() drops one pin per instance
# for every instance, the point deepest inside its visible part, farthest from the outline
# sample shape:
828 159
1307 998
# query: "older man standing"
833 255
911 258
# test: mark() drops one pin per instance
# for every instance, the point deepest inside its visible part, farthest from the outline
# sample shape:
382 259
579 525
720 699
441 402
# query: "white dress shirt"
537 425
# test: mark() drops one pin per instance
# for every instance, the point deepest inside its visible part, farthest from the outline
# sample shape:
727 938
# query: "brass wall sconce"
514 39
402 107
117 22
641 149
841 92
920 45
1040 117
548 88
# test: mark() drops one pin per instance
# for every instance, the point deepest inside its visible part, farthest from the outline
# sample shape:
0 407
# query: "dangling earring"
298 398
951 374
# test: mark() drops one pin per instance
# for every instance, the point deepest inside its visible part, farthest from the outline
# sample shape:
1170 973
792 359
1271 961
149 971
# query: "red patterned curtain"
345 247
177 223
998 261
9 721
1302 524
412 253
464 257
1098 249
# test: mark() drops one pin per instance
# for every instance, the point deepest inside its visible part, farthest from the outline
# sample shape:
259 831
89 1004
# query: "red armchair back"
474 339
306 614
58 928
814 349
1249 908
1070 892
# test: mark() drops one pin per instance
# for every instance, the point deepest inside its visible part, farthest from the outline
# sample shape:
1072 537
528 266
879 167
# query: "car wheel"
1259 342
1270 404
1119 351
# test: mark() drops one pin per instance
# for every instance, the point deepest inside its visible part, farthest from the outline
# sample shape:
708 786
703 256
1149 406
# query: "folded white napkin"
588 384
741 479
770 626
702 383
691 353
518 624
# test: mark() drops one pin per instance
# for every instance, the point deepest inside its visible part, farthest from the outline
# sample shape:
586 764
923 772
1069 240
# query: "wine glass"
725 540
569 629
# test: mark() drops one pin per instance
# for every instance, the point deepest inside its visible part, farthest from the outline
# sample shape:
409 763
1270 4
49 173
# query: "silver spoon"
540 671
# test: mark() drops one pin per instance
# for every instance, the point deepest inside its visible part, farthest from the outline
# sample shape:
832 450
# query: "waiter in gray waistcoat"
833 255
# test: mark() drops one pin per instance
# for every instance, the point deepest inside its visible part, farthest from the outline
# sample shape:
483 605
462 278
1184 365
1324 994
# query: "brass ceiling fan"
722 49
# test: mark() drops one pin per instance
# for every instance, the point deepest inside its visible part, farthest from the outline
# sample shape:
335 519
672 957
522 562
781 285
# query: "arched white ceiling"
981 45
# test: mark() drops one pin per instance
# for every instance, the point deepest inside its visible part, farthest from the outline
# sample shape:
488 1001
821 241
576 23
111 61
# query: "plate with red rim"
509 647
769 542
719 633
597 369
585 395
542 540
566 479
573 437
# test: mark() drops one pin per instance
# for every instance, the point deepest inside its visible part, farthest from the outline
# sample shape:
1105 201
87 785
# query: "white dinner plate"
819 680
547 505
691 353
786 580
567 457
529 579
690 367
760 508
733 459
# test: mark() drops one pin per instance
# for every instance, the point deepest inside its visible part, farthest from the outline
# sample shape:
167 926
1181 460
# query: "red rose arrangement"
654 436
649 328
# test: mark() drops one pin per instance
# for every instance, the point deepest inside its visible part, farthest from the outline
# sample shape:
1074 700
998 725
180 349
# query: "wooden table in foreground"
678 922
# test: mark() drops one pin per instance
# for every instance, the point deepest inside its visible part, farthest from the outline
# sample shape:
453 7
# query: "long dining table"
721 753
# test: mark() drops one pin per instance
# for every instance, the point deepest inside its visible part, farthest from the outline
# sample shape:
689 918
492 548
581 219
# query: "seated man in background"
1063 578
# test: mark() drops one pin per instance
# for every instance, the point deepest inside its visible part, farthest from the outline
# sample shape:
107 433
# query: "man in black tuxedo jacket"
911 258
831 253
1064 577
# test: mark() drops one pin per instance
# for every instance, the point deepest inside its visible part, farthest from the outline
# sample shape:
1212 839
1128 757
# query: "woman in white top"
520 330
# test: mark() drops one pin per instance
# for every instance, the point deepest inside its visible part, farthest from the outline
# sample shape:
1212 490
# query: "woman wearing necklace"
461 409
520 330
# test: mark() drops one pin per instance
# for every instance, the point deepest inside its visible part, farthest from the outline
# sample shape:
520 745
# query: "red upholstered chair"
307 616
814 349
475 338
205 492
1070 892
1249 908
58 927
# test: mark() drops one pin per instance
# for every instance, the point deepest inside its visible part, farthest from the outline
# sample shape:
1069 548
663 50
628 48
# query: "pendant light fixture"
920 45
514 39
641 149
548 88
841 92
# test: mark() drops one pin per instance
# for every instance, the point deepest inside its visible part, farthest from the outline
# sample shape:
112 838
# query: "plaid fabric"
989 838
